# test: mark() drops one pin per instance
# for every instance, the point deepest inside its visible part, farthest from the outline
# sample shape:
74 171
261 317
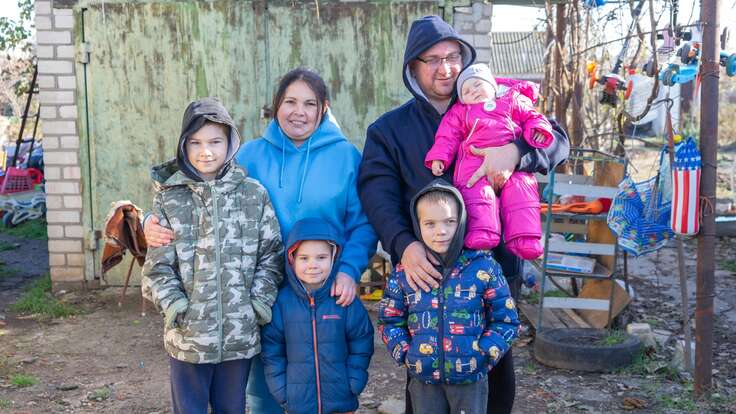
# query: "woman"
310 170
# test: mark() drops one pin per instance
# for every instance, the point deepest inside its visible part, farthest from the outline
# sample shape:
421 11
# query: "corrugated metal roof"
517 54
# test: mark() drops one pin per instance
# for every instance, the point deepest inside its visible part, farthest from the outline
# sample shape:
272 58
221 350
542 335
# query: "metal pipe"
25 116
709 72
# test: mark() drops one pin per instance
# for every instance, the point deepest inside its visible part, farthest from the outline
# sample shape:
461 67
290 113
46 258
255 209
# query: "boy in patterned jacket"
451 337
216 282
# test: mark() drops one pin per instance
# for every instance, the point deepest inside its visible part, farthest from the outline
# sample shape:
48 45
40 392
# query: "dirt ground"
110 359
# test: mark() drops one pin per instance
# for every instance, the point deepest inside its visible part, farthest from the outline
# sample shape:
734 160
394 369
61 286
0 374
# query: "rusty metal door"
141 63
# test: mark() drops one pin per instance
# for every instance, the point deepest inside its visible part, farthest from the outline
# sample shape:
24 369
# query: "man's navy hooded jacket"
392 170
315 352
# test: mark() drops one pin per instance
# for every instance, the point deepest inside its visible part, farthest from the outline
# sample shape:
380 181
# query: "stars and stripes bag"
685 217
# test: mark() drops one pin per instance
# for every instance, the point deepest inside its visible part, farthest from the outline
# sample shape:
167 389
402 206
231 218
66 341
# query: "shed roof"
517 54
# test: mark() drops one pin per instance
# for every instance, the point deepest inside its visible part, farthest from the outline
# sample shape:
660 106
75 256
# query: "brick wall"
474 23
58 96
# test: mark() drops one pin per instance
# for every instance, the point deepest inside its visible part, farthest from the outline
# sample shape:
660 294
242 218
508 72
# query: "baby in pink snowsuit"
483 120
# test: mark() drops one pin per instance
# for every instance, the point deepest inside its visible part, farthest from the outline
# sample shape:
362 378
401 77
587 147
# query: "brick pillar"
473 23
58 96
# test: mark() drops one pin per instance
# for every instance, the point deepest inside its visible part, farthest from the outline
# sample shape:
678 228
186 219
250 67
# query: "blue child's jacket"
457 332
316 352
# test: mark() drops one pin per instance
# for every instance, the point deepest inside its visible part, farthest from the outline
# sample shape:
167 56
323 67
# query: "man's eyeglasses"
435 61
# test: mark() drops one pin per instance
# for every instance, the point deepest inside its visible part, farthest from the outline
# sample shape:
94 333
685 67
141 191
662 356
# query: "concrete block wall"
474 25
58 96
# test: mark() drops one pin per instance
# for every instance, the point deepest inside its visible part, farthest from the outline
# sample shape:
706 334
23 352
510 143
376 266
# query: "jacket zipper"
215 223
458 169
316 352
441 329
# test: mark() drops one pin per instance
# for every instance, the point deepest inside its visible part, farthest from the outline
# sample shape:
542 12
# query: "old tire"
577 349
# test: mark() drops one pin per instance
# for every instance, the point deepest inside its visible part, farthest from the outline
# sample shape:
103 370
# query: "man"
392 170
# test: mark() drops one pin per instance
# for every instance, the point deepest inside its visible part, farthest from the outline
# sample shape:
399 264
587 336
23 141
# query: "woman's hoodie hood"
328 132
312 229
425 33
195 116
456 246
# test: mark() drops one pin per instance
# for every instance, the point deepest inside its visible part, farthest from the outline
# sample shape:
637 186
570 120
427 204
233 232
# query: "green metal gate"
147 60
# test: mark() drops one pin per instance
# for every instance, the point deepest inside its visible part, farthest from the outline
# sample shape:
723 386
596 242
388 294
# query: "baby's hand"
539 137
438 167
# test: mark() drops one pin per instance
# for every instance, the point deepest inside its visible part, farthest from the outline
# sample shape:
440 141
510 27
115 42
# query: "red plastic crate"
17 180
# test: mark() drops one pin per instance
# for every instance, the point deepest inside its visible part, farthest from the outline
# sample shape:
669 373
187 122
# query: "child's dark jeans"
449 399
195 386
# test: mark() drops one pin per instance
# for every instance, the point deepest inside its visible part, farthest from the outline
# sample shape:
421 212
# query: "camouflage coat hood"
224 266
195 116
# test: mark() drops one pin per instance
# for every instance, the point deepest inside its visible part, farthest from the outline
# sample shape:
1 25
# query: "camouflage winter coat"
227 255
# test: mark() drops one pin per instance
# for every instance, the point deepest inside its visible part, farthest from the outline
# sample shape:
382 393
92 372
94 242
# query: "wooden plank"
609 174
582 248
576 318
549 320
595 191
565 178
601 289
576 303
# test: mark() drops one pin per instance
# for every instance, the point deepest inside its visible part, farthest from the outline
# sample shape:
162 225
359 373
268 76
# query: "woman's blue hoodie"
315 352
317 179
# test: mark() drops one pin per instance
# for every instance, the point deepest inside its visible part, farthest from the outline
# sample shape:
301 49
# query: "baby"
484 118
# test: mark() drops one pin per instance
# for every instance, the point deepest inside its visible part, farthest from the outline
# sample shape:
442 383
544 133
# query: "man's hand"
345 287
498 164
438 168
156 235
418 268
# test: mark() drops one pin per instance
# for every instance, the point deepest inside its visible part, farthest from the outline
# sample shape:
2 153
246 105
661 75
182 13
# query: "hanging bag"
685 217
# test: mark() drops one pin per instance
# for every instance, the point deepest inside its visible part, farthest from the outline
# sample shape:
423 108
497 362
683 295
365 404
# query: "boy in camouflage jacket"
216 282
452 336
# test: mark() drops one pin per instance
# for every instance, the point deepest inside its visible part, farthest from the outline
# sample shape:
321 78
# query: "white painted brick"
483 55
477 9
45 52
46 37
65 52
54 202
51 67
50 143
62 216
66 274
57 259
482 26
51 173
62 12
72 173
42 7
52 97
73 202
48 112
43 23
69 111
67 82
74 231
75 259
59 127
55 231
62 187
70 142
482 40
60 158
46 82
63 22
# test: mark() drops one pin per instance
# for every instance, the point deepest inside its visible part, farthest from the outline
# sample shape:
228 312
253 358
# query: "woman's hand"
498 164
156 235
418 267
345 288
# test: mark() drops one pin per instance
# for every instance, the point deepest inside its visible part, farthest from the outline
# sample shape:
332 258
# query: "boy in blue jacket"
450 337
315 352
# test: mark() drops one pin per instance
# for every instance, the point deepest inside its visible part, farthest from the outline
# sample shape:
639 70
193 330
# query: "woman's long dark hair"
312 79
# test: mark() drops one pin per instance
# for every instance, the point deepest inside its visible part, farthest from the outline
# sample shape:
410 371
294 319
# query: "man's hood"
425 33
312 229
456 246
195 116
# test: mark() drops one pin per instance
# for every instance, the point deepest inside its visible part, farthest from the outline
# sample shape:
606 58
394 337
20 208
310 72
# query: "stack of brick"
58 99
474 25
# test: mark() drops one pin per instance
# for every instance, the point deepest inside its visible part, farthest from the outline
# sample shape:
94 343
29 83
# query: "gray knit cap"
477 70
